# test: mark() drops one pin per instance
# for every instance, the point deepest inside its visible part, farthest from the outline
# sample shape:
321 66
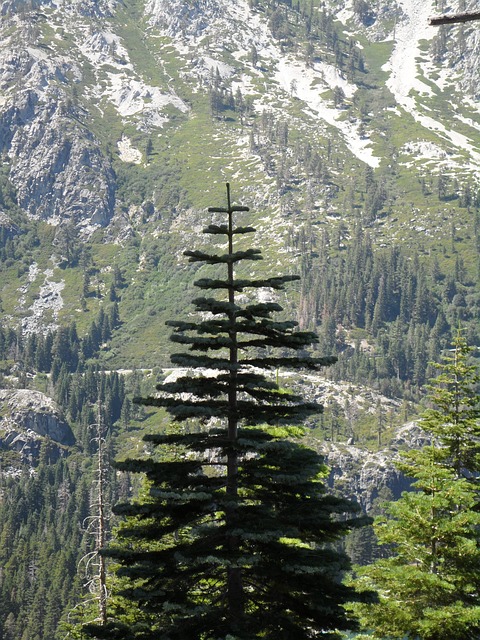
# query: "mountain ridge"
129 119
349 129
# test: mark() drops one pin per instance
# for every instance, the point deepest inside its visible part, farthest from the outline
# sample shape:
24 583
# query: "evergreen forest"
201 439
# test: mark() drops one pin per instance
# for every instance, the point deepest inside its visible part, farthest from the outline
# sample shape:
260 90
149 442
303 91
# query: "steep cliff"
27 418
55 162
362 475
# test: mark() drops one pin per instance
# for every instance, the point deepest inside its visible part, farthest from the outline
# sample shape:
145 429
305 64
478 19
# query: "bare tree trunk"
454 18
235 593
234 576
101 537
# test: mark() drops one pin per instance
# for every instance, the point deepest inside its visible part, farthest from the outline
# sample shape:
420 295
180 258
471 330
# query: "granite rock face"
56 165
363 476
27 418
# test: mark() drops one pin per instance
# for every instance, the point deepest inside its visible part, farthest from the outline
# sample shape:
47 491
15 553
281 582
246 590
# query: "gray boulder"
28 417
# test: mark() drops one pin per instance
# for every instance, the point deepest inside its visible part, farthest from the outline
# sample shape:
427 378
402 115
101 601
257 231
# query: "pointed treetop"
229 208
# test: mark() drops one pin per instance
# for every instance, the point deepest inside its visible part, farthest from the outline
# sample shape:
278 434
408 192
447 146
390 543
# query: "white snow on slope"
308 85
404 73
345 14
457 139
403 64
130 96
211 65
236 25
133 96
424 150
127 151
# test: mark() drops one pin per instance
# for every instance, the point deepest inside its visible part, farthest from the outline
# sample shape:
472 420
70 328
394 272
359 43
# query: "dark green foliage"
80 392
46 509
62 347
428 588
405 310
454 414
67 242
364 11
179 540
221 96
42 538
234 538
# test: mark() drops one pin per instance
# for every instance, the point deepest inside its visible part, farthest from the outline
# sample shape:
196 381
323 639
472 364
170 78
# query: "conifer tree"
428 589
234 538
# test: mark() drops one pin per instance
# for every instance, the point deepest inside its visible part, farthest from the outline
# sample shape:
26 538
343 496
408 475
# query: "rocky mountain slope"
60 64
340 124
119 123
344 126
128 118
350 128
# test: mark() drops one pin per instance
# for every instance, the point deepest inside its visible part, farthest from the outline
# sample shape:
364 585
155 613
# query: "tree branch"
454 18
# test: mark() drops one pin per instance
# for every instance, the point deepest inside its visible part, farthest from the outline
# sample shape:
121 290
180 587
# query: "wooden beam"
454 18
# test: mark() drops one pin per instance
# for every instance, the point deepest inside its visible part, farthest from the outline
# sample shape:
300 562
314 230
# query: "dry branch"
454 18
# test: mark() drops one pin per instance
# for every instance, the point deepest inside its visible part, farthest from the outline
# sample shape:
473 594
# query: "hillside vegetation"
134 116
349 128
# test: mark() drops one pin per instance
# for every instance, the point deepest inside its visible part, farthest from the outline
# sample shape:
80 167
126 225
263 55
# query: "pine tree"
455 414
428 589
233 540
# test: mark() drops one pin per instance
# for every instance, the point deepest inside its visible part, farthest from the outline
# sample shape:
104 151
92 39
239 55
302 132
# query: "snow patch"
403 69
49 300
245 84
468 121
209 65
424 149
403 61
345 15
104 47
457 139
131 97
127 152
306 84
235 22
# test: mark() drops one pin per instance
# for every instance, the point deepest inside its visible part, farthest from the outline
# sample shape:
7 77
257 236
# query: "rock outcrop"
28 417
57 167
363 476
56 164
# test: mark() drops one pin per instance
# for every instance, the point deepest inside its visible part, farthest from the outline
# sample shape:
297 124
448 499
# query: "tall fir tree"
428 589
234 537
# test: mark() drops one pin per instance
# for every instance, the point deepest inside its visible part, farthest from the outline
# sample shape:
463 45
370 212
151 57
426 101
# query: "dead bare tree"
96 524
454 18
